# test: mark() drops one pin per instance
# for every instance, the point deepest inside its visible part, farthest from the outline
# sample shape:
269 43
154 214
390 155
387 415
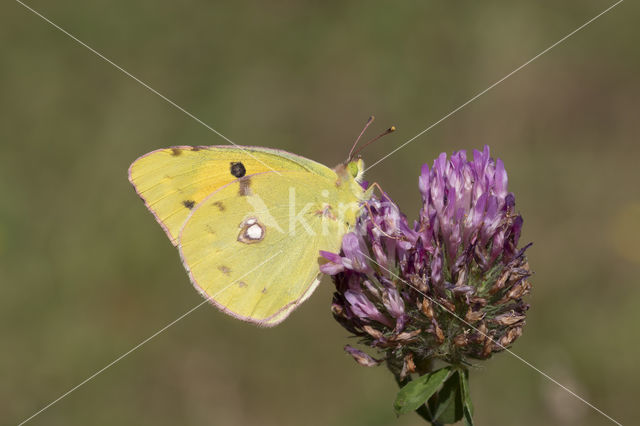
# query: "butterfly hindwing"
252 246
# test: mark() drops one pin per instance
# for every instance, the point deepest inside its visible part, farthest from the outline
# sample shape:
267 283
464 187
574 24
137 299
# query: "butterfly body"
249 222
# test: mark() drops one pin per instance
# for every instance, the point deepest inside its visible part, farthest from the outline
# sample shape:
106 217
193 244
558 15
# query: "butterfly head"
350 177
355 169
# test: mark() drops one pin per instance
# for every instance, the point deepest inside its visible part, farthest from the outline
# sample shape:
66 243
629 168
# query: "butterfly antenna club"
369 142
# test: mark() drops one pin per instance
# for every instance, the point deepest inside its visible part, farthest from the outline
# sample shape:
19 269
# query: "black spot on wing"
189 204
176 151
219 205
238 170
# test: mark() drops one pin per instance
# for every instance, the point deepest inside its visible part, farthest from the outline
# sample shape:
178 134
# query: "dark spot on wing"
264 290
198 148
219 205
175 152
224 269
242 284
245 186
238 170
189 204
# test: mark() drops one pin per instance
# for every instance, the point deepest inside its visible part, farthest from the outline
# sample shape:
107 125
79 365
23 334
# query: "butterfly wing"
251 247
174 180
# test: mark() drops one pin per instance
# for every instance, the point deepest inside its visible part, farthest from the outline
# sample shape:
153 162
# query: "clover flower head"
448 287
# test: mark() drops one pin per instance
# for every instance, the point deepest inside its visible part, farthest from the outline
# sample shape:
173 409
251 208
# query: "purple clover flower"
399 286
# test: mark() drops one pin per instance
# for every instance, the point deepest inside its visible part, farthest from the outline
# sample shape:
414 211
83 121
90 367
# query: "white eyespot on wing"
255 232
251 231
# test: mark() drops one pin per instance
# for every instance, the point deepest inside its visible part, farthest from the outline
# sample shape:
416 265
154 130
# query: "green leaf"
424 411
447 405
466 397
468 419
417 391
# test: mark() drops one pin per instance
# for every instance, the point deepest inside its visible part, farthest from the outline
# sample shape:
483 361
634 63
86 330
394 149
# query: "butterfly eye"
353 168
237 169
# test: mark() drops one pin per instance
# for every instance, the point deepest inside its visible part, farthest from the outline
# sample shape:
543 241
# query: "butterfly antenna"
369 121
386 132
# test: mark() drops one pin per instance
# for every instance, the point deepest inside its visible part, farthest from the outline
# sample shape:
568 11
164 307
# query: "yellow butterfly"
249 222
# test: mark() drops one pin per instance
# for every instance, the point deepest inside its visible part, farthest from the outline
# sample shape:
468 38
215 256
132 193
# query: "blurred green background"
86 273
